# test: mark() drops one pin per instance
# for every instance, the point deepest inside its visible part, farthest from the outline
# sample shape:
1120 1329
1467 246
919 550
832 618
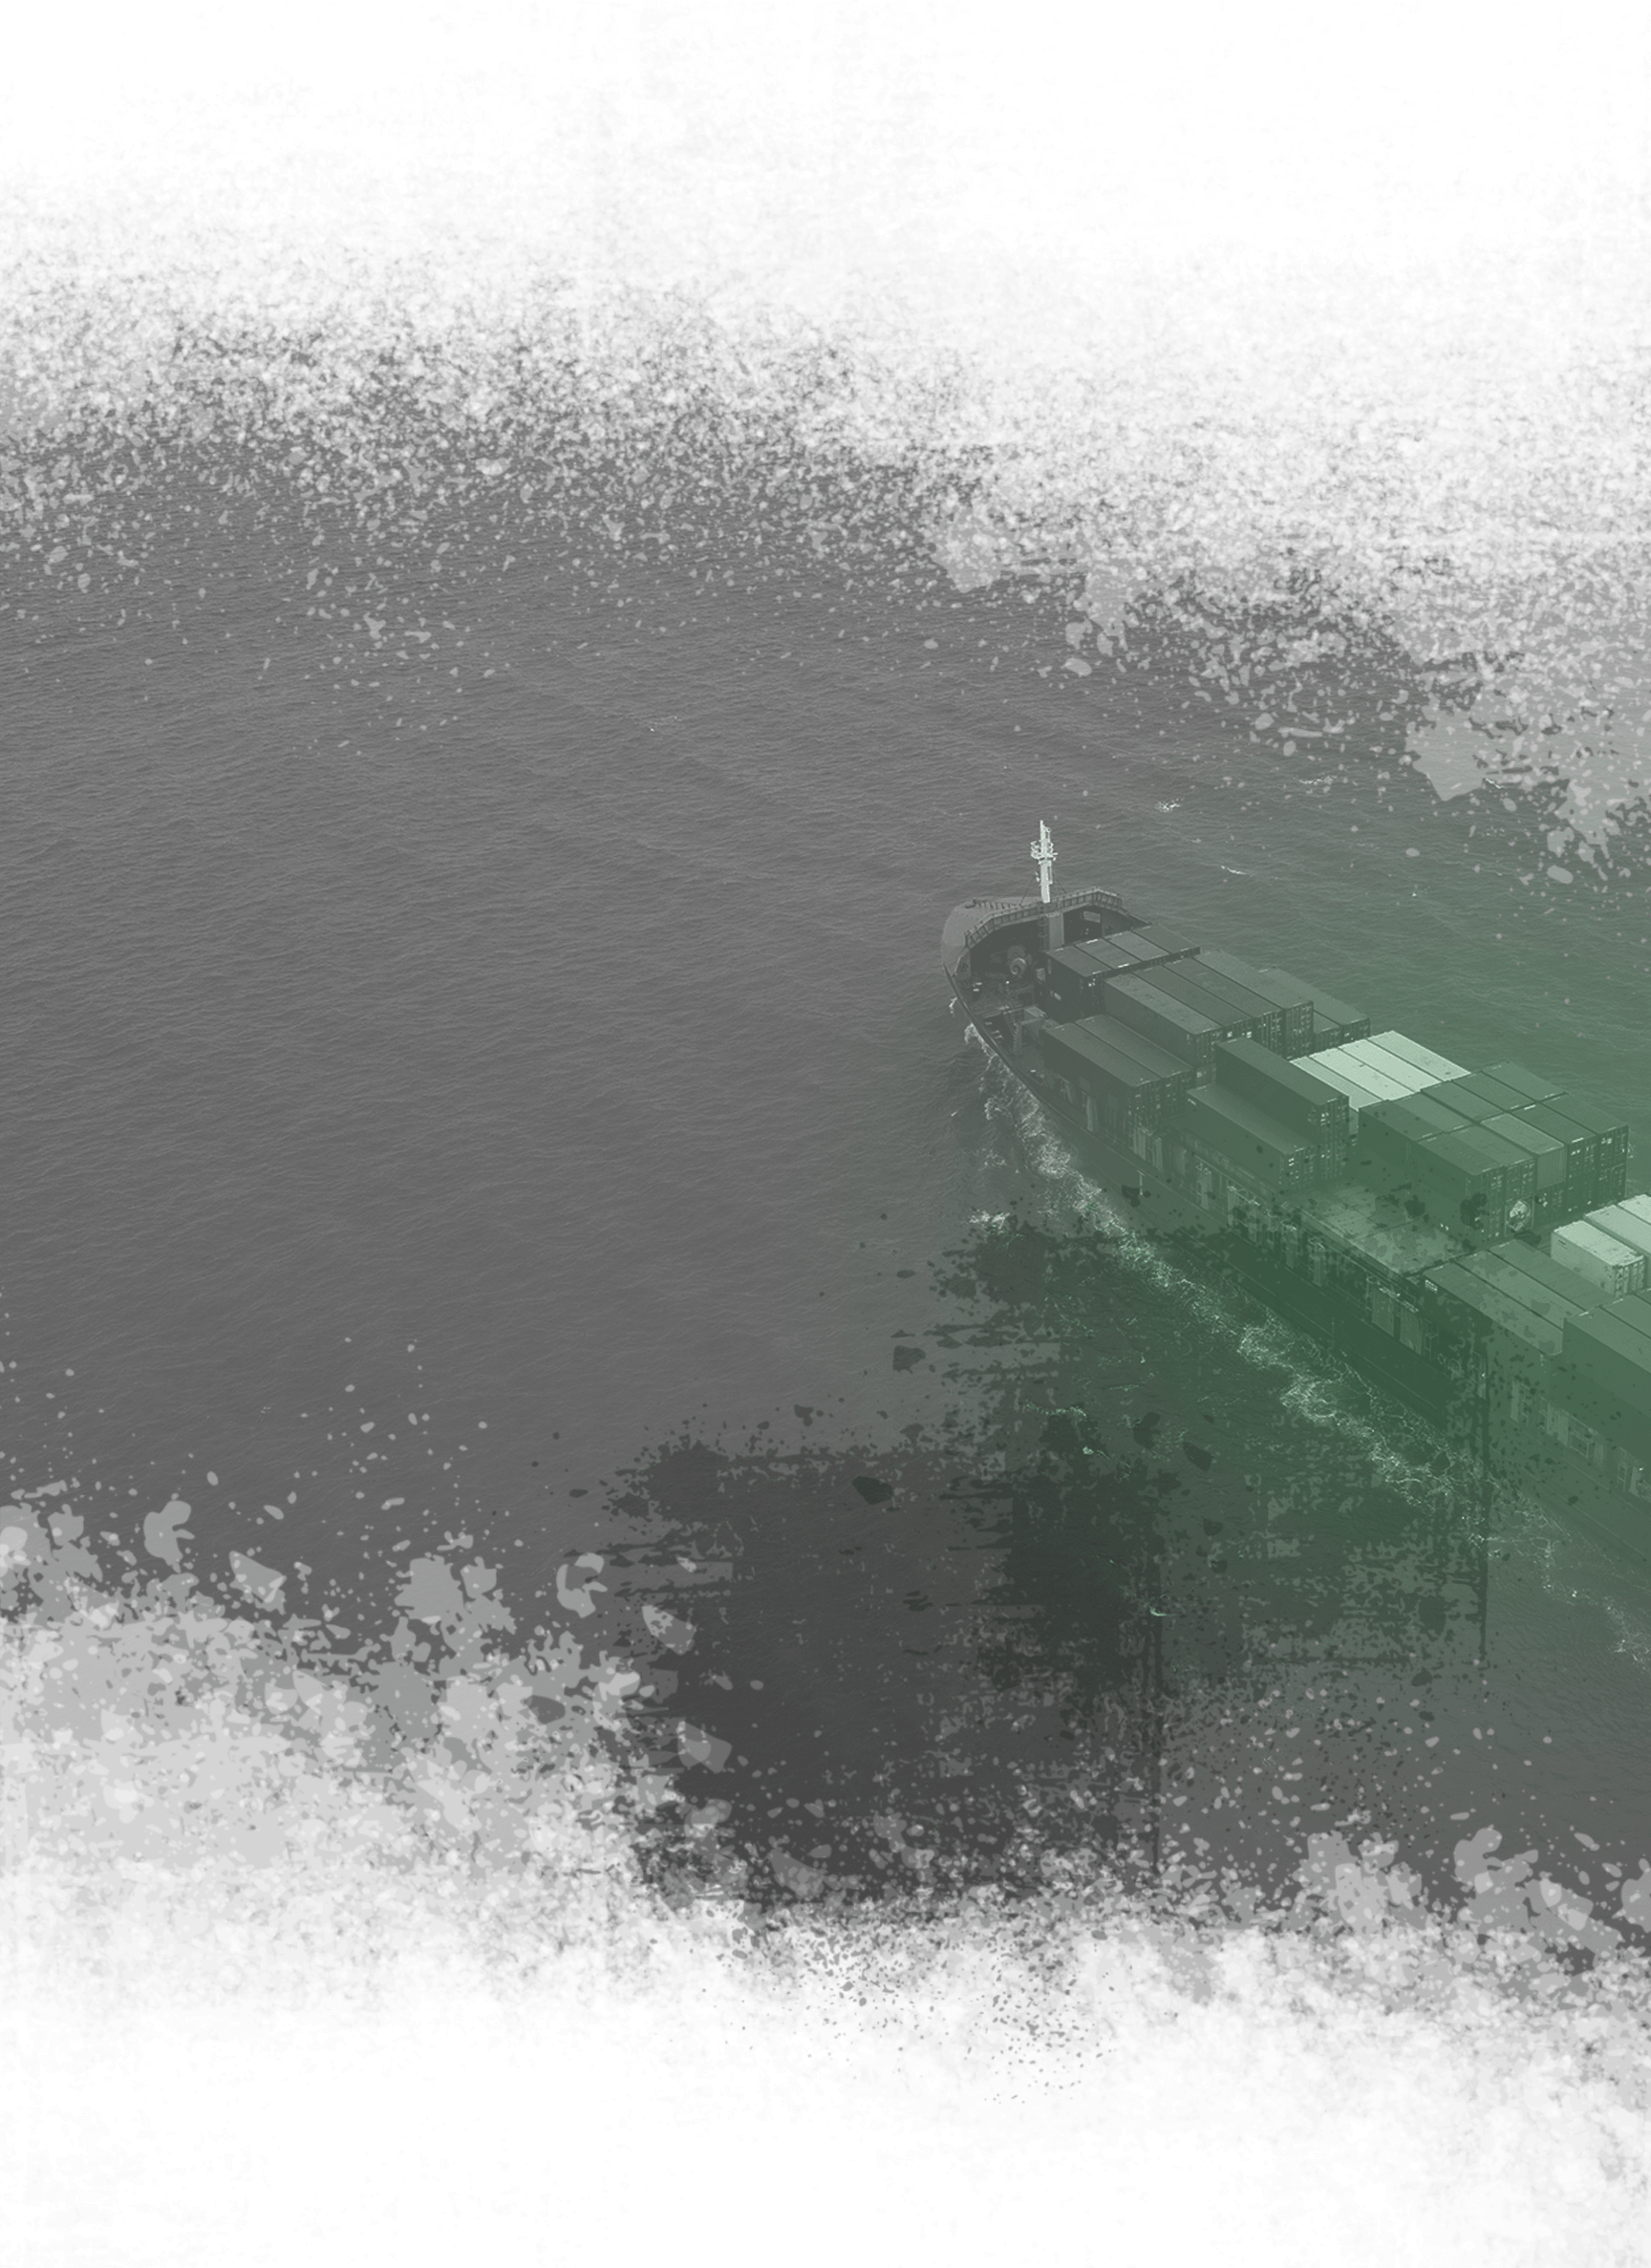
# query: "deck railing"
1025 909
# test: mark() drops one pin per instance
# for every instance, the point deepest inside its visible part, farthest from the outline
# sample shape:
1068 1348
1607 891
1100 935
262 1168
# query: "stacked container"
1123 1081
1165 941
1547 1154
1145 951
1611 1153
1290 1093
1381 1080
1334 1021
1564 1287
1624 1223
1250 1140
1412 1052
1614 1268
1291 999
1605 1377
1395 1069
1528 1083
1493 1321
1169 1023
1234 1012
1461 1187
1266 1017
1075 979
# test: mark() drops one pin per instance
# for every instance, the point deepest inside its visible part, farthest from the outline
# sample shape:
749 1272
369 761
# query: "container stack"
1283 992
1235 1012
1504 1319
1407 1059
1327 1065
1456 1171
1162 943
1073 981
1391 1065
1311 1108
1604 1377
1185 1032
1629 1222
1334 1021
1613 1267
1120 1081
1250 1140
1586 1149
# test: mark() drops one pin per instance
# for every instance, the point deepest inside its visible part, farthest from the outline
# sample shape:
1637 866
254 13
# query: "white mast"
1044 857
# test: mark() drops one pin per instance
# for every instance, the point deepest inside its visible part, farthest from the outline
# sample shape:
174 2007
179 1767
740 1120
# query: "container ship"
1465 1237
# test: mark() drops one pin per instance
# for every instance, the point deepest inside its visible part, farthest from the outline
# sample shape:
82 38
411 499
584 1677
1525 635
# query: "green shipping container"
1611 1356
1522 1343
1249 1140
1287 1091
1137 1002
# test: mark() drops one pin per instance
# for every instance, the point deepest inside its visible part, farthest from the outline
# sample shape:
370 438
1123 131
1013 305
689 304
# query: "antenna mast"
1044 857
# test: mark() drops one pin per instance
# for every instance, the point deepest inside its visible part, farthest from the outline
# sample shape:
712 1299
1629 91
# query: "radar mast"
1044 857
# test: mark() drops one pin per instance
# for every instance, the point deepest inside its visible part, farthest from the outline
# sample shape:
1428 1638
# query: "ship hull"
1480 1408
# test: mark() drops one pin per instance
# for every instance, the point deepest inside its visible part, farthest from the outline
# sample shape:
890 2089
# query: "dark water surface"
554 1402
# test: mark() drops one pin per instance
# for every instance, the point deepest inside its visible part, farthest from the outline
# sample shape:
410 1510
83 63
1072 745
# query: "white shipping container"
1625 1223
1412 1051
1359 1096
1383 1084
1409 1077
1600 1259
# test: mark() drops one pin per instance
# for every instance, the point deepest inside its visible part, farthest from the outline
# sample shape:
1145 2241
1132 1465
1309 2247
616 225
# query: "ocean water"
599 1513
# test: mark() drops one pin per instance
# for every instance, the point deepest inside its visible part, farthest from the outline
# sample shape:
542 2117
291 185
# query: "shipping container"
1634 1310
1235 1012
1412 1051
1610 1355
1336 1059
1360 1097
1527 1345
1517 1165
1173 1071
1164 939
1461 1164
1601 1409
1611 1182
1147 954
1087 1058
1609 1130
1415 1119
1333 1021
1073 983
1528 1083
1624 1224
1266 1017
1615 1267
1468 1100
1547 1153
1488 1096
1496 1268
1108 956
1408 1077
1289 1092
1566 1291
1249 1139
1136 1001
1472 1209
1581 1148
1284 994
